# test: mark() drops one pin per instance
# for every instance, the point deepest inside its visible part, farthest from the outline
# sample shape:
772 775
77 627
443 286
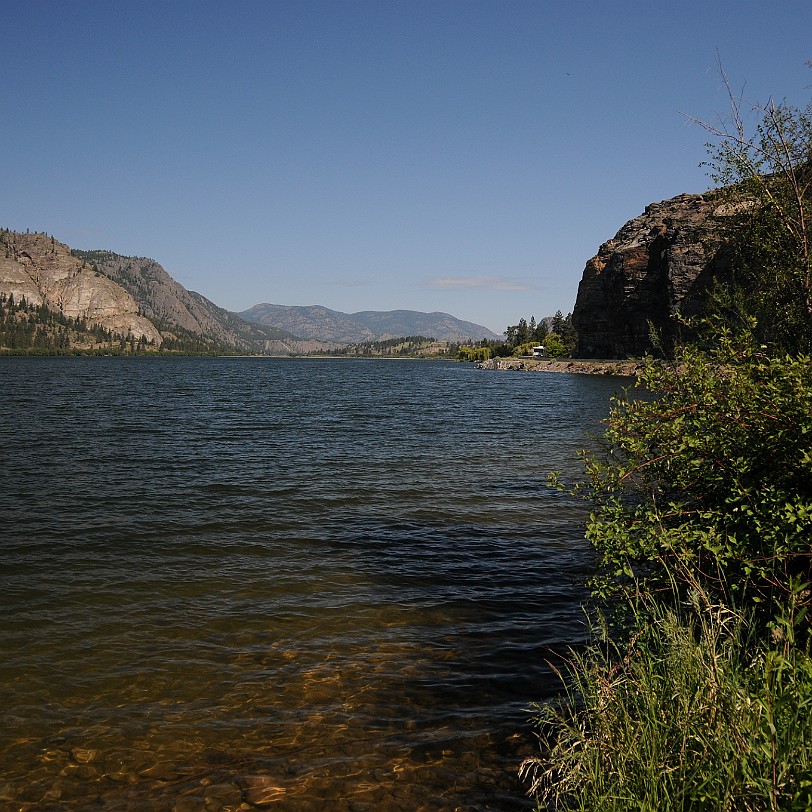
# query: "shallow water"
295 584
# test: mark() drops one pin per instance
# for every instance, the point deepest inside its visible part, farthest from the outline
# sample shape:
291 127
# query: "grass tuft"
691 713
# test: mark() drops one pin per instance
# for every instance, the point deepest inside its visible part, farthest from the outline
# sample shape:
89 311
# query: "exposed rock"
44 271
572 366
170 306
659 264
130 296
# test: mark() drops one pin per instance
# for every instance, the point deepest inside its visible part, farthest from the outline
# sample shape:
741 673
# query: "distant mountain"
168 305
126 297
133 299
321 323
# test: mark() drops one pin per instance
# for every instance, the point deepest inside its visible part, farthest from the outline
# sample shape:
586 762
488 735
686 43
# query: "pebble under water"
240 583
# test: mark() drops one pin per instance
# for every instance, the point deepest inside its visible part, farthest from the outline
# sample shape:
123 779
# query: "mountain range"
321 323
135 298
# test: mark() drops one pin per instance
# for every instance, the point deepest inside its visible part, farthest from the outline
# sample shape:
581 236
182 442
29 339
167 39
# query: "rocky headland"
43 271
658 265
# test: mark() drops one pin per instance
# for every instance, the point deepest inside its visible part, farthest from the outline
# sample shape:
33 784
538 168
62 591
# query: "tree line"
555 333
28 328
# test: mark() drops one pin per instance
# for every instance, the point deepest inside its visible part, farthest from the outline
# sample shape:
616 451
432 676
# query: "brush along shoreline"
628 368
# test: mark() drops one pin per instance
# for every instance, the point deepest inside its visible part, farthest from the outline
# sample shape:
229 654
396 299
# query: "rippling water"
295 584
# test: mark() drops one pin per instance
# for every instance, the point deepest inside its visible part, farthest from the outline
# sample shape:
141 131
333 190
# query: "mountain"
659 264
317 322
44 272
135 299
131 297
170 306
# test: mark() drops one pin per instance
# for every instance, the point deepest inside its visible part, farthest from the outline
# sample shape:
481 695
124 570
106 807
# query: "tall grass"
697 710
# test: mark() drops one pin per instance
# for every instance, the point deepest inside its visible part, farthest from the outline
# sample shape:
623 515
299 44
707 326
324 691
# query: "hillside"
173 308
44 273
316 322
77 299
92 299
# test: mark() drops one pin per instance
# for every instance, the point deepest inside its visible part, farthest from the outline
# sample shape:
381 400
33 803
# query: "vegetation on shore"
696 690
29 329
403 347
556 333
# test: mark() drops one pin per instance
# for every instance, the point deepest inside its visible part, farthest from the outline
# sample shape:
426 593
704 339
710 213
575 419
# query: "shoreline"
629 368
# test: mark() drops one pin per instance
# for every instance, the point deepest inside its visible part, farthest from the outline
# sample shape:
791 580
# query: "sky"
464 156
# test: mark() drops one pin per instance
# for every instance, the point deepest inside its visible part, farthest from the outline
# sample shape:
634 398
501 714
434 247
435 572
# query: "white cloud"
497 283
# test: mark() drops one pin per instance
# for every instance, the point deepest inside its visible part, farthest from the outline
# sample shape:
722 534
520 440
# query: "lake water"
239 583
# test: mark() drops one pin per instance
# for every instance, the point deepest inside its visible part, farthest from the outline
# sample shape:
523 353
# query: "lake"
295 584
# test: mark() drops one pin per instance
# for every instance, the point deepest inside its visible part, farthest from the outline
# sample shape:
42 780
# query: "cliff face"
657 265
45 272
130 296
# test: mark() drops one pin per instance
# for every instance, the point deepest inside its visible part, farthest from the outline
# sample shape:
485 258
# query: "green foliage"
473 354
35 328
524 349
695 712
27 329
767 192
555 346
522 337
525 333
708 477
698 694
566 337
403 347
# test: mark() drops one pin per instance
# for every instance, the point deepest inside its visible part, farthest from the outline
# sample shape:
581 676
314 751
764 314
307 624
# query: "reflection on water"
243 583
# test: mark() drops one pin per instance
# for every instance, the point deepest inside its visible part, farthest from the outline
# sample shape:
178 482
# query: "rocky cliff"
129 296
659 264
172 307
44 271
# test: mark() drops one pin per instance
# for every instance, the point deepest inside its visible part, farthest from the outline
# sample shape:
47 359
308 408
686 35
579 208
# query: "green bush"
707 478
697 694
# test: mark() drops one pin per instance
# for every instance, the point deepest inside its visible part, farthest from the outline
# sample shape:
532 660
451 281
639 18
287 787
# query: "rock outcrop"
659 264
44 271
171 306
133 297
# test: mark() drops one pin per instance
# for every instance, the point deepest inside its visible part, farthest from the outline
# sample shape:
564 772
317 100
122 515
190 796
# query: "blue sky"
467 156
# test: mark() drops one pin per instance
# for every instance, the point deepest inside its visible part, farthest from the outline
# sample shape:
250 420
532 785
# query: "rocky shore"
576 366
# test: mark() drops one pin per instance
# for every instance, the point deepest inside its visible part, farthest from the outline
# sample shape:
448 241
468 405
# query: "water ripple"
230 581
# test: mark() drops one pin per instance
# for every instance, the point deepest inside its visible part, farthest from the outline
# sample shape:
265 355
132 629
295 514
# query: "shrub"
706 478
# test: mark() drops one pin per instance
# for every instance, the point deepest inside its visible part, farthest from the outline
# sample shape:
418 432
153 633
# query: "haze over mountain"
321 323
